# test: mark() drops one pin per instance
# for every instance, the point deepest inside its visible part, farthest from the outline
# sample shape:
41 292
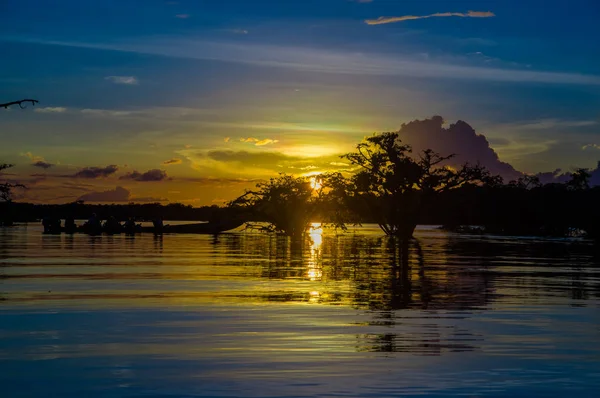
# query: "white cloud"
337 62
470 14
106 112
130 80
58 109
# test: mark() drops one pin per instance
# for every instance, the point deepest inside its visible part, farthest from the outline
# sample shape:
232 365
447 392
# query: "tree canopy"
393 184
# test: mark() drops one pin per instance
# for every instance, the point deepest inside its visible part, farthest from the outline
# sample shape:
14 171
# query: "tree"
286 203
6 187
394 186
290 204
580 180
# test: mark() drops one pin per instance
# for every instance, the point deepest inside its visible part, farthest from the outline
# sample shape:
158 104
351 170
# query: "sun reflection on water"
315 261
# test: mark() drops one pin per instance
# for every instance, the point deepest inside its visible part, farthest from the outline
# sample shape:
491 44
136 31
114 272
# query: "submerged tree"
285 203
288 205
394 186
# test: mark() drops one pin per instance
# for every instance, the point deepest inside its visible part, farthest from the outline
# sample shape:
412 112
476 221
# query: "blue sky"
284 85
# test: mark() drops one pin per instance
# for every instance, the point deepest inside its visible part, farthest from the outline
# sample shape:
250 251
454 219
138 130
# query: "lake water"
251 315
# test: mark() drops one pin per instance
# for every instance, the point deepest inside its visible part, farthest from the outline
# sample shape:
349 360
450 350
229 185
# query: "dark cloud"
96 172
42 164
460 139
119 194
171 162
149 176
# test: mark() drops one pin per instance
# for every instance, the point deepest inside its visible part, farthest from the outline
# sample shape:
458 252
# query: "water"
251 315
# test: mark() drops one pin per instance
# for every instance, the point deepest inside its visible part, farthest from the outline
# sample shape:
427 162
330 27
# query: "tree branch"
20 103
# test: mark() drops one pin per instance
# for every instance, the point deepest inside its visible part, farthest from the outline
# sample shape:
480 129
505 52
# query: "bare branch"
20 103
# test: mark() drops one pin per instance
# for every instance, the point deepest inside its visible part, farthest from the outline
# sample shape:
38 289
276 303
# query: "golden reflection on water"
315 261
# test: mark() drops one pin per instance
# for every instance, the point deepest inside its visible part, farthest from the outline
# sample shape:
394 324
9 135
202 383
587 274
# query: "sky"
194 101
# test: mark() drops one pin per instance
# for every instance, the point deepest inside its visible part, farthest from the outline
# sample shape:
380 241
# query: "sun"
315 183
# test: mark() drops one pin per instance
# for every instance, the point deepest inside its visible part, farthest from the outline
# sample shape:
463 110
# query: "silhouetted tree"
580 179
286 203
393 185
6 187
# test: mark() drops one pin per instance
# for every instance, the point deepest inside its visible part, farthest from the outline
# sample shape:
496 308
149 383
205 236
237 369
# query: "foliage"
289 204
393 185
6 187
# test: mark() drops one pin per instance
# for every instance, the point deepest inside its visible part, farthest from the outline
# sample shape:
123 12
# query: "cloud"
470 14
119 194
96 172
129 80
590 146
258 142
58 109
460 139
171 162
38 161
149 176
106 112
332 61
362 1
239 31
42 164
182 16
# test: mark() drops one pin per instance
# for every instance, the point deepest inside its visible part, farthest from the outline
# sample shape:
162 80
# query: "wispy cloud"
590 146
259 142
239 31
331 61
470 14
182 16
57 109
129 80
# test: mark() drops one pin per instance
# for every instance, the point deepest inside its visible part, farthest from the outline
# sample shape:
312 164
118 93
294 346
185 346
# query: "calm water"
250 315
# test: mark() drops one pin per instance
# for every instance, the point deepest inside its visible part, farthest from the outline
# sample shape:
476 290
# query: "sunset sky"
192 101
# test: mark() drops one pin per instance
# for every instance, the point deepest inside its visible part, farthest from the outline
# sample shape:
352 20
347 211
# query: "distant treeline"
545 210
23 212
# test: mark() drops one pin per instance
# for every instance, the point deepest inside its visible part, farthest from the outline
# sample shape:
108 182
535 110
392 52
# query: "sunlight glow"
315 184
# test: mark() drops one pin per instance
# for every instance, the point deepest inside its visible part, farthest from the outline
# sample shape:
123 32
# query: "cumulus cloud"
58 109
171 162
129 80
119 194
460 139
149 176
96 172
258 141
470 14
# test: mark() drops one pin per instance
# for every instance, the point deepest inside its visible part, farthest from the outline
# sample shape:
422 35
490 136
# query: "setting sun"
315 183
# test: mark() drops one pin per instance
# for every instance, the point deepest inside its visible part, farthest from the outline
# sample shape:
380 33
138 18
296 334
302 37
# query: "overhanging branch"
20 103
